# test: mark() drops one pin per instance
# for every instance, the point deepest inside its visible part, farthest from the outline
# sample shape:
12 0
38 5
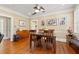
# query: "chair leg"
33 45
43 43
54 48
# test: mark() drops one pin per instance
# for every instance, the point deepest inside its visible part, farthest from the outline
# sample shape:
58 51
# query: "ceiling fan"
37 9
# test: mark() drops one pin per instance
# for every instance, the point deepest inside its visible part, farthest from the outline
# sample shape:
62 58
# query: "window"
1 25
76 20
34 24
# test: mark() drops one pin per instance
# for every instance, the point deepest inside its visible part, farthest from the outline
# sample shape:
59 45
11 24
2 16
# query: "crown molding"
12 11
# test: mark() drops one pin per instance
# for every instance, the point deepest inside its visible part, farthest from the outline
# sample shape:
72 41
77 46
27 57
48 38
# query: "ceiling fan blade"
34 13
37 9
42 8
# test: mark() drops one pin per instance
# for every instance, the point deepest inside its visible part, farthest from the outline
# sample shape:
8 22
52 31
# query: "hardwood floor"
22 47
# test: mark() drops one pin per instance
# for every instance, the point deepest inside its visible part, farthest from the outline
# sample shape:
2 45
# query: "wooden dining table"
40 35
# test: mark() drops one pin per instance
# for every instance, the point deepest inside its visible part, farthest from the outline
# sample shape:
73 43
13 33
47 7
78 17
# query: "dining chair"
51 32
49 41
44 39
52 39
41 31
32 31
34 41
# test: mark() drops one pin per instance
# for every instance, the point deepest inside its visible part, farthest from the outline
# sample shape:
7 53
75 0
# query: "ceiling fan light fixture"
36 10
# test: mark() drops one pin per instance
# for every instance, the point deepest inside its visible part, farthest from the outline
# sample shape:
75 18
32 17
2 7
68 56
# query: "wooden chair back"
32 31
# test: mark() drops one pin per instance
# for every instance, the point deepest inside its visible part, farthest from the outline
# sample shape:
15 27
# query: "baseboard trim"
61 39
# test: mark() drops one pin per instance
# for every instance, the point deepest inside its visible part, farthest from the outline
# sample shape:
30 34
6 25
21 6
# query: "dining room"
43 31
39 29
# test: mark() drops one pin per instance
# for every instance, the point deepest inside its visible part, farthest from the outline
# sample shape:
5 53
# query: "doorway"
34 25
6 27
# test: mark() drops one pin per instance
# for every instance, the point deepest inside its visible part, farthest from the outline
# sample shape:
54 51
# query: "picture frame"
42 23
22 23
62 21
52 22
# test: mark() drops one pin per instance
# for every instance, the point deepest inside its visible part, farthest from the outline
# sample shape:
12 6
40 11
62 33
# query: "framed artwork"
52 22
43 23
22 23
62 21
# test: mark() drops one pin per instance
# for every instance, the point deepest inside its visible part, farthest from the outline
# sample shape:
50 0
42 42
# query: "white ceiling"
27 9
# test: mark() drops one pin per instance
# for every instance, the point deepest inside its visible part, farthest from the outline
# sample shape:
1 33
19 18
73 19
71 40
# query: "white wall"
60 30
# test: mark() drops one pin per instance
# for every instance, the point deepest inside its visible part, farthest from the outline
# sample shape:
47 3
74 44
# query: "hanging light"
37 9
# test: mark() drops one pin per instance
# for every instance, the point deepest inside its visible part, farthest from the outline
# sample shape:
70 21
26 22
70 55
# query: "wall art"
52 22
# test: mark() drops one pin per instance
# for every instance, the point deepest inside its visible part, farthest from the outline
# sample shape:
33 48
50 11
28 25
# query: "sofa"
73 42
1 37
24 34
